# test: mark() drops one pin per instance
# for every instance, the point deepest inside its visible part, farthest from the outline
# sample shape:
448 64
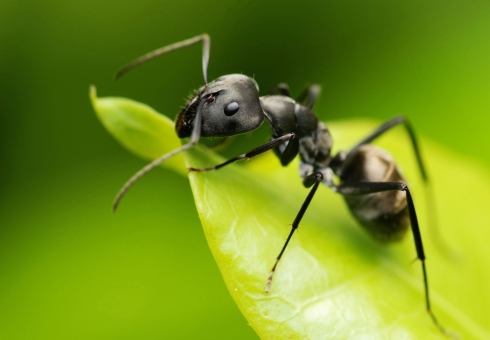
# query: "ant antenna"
196 133
206 46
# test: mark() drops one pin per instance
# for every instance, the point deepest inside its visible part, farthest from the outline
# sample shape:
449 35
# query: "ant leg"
178 45
282 89
309 95
312 180
196 133
435 234
385 127
255 152
364 188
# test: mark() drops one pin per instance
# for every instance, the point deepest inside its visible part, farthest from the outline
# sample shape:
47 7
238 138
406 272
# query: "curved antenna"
206 46
196 133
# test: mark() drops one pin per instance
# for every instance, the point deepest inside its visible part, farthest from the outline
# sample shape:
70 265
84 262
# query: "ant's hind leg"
384 128
365 188
436 235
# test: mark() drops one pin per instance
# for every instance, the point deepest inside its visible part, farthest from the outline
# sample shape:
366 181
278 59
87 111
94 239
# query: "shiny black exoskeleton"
368 178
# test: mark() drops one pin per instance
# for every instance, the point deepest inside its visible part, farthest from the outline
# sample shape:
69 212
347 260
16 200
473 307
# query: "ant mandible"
369 180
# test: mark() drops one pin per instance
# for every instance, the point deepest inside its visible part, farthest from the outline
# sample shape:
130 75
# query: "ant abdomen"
383 214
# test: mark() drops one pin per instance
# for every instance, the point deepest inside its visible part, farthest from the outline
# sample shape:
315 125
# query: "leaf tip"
92 94
93 91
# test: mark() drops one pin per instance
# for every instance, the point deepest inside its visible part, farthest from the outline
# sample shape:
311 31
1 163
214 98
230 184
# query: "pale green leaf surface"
334 281
139 128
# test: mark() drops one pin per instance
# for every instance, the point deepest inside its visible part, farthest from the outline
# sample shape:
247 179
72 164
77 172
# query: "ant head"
231 107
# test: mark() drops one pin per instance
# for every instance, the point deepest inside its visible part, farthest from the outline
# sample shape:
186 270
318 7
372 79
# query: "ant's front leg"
309 95
281 89
249 155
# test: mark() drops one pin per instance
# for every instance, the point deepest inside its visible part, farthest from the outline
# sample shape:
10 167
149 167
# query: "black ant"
369 180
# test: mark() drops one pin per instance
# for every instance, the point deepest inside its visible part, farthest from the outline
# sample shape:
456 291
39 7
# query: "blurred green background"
69 268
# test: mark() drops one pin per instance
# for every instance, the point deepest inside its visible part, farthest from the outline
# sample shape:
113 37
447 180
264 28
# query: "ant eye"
231 108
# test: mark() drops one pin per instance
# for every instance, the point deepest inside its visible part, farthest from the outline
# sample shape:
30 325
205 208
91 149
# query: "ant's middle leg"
313 181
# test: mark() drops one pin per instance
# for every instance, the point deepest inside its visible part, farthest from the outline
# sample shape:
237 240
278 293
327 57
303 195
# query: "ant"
369 180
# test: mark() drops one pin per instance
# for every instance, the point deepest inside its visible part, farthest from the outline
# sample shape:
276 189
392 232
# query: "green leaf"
139 128
334 281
